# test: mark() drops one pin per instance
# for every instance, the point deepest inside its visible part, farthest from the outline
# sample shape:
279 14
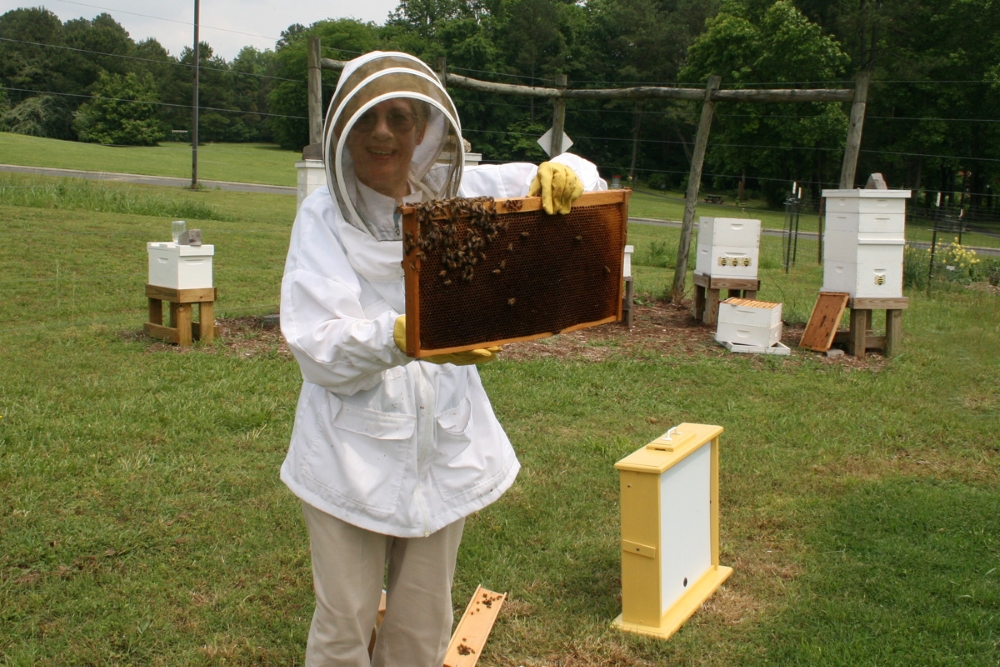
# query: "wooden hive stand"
706 294
860 338
181 330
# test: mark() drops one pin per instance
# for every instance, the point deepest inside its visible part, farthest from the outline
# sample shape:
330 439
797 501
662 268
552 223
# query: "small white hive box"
311 175
670 529
180 266
864 241
728 247
749 322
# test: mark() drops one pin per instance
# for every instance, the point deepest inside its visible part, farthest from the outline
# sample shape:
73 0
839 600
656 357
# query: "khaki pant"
349 564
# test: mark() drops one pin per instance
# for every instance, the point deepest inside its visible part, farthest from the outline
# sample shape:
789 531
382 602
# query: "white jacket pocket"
363 456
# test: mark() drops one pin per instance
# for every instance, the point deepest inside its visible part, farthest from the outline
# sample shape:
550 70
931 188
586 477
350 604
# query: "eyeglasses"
399 121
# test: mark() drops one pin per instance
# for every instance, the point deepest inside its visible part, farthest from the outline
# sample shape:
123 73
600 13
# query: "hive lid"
869 194
750 303
670 448
181 250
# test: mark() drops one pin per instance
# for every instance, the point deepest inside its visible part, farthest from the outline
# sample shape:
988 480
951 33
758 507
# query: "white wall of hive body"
728 247
311 175
863 242
180 266
749 322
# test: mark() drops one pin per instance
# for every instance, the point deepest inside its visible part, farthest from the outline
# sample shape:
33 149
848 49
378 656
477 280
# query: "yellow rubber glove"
480 356
558 185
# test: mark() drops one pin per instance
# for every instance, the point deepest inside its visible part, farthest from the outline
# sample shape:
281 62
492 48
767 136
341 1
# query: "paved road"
289 190
149 180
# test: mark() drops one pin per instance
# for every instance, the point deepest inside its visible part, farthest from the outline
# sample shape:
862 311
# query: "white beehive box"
311 175
749 322
180 266
864 241
728 247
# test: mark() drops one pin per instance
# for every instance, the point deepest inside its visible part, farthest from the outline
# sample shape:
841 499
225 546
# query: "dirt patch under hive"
659 328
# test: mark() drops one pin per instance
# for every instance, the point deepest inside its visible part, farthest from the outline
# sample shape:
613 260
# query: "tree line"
932 123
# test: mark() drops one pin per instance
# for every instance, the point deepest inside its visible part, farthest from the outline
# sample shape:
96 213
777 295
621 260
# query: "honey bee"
510 301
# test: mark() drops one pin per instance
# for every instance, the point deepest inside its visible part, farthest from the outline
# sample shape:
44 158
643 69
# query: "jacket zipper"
425 435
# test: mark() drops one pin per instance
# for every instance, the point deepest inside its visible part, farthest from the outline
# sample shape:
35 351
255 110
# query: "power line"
148 60
160 18
512 76
942 157
162 104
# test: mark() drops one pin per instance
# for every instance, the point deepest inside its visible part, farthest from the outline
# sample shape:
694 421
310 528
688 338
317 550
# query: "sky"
227 25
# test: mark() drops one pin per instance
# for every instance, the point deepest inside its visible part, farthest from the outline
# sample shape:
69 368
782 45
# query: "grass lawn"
142 521
241 163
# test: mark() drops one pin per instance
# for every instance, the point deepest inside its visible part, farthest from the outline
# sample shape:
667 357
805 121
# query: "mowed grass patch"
142 521
97 197
241 163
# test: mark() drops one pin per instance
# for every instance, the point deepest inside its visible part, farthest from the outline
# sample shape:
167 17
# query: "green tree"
341 39
252 76
774 144
123 112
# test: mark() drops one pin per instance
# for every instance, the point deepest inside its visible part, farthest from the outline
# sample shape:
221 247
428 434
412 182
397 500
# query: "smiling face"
381 145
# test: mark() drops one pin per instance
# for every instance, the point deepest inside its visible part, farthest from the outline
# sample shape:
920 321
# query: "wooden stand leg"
155 311
699 302
206 321
183 323
893 331
627 307
712 307
856 342
749 294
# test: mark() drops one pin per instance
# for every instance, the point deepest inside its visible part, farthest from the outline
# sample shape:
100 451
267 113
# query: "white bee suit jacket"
381 441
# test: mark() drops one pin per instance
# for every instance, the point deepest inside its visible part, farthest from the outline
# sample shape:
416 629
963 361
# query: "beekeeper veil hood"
364 83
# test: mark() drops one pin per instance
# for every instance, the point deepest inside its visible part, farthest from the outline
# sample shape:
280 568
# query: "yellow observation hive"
670 529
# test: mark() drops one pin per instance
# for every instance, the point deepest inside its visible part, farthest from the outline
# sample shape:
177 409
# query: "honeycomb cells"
538 275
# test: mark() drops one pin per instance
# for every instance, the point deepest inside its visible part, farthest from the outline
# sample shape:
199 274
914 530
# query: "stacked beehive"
864 242
728 247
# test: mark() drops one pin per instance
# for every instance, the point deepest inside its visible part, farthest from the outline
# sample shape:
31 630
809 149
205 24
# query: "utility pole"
194 105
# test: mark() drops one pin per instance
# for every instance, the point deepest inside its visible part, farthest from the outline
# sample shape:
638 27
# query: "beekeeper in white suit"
389 455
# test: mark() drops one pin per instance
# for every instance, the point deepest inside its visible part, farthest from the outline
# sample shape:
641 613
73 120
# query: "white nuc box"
863 242
180 266
311 175
670 529
749 322
728 247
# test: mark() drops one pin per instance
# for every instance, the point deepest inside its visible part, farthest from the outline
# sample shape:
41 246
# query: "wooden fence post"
558 117
315 91
442 70
853 147
694 184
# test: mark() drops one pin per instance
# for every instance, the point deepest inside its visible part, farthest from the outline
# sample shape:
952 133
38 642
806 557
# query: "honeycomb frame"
507 272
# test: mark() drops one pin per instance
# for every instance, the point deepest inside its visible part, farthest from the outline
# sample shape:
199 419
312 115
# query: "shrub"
954 263
990 271
39 116
657 253
123 112
915 265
